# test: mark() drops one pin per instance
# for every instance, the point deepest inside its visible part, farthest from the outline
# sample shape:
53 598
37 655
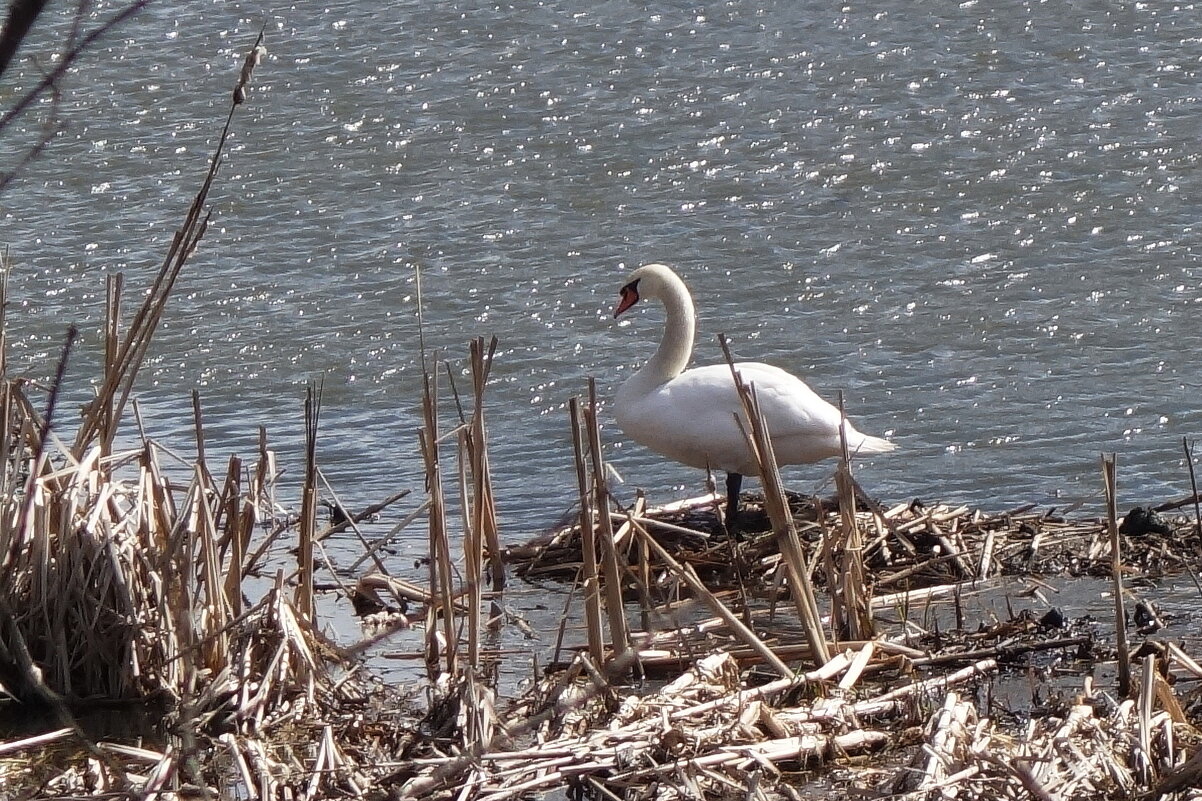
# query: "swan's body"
690 415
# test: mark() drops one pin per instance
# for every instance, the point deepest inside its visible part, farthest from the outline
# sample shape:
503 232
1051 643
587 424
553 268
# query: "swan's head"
651 281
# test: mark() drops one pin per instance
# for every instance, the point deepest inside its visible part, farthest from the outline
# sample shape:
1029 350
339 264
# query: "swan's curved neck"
676 347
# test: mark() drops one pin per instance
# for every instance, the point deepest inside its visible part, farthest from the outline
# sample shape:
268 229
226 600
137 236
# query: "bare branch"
21 17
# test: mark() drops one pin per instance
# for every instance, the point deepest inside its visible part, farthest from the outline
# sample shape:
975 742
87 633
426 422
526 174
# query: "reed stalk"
238 530
112 341
484 503
1193 485
686 574
589 577
214 611
611 566
852 586
1116 574
305 594
473 553
759 441
441 575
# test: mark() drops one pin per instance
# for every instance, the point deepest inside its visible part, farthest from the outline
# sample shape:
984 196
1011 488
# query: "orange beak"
630 296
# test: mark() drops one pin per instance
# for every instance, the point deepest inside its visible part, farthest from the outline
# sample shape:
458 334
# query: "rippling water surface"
979 221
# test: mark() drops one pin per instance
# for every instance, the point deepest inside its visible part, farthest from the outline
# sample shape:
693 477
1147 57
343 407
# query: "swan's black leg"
734 483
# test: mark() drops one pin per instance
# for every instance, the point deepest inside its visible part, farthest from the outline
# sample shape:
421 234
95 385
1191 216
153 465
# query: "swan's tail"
863 444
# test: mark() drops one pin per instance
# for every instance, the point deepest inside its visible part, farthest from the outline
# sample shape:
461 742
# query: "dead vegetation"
832 651
837 653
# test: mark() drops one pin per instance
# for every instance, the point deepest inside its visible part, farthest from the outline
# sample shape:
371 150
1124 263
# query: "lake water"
980 221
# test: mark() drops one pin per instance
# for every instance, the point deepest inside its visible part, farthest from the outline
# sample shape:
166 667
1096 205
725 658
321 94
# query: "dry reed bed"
708 735
766 690
760 697
128 580
907 545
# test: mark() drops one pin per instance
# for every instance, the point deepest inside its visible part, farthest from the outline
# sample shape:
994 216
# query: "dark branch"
21 16
49 83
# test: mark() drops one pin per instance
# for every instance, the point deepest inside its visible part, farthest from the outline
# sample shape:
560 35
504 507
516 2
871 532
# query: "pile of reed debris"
837 654
906 546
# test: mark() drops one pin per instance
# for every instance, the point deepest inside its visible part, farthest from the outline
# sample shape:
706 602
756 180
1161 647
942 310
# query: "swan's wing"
804 427
692 418
788 403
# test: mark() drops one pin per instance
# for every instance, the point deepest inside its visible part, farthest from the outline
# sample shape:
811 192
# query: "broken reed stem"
857 600
588 544
1193 485
1143 755
612 570
441 578
759 442
305 596
198 424
216 612
643 568
1116 573
114 283
473 551
21 532
482 491
239 525
686 574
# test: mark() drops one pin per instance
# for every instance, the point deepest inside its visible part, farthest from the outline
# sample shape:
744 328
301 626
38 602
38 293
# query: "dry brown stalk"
305 594
853 587
686 574
37 740
759 441
485 512
441 578
610 558
1116 574
473 558
237 536
1144 756
589 577
1193 485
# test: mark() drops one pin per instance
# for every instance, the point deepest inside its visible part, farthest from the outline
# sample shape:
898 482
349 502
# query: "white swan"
689 415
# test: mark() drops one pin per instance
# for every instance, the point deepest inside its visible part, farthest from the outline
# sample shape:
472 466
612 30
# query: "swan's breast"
689 419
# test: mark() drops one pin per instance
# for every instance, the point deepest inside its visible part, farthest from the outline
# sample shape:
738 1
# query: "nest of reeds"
907 546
